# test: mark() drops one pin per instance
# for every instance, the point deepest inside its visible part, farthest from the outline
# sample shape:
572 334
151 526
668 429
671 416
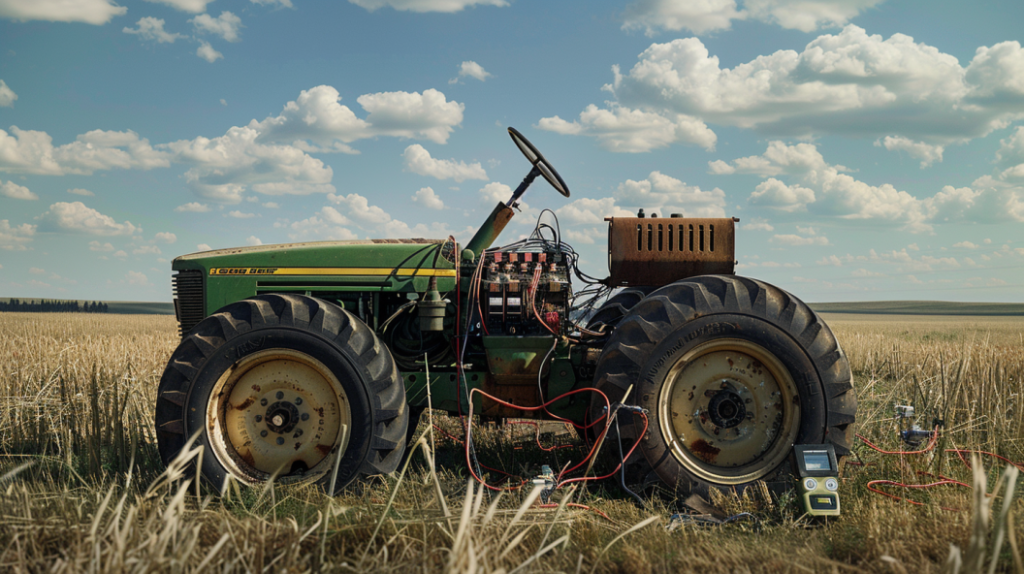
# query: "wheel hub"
730 411
279 412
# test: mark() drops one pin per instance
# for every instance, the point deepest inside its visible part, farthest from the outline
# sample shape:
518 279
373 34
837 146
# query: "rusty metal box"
656 251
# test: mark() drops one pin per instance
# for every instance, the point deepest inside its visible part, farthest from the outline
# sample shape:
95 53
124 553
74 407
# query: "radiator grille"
189 303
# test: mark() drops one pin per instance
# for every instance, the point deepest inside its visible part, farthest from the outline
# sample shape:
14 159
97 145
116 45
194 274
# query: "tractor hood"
383 265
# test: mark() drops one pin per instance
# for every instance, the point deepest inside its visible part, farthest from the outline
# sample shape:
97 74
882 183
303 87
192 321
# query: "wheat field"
82 488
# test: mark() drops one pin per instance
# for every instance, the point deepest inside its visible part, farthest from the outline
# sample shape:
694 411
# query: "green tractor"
305 362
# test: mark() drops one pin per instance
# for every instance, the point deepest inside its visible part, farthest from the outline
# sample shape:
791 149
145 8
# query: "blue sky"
873 149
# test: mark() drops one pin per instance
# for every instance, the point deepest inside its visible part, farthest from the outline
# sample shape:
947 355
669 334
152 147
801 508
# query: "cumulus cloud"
426 5
146 250
82 192
282 3
75 217
97 246
227 25
166 237
192 207
96 12
757 224
253 241
240 215
16 237
207 52
428 198
807 15
419 161
824 189
138 279
670 195
15 191
225 166
204 247
621 129
317 121
698 16
471 69
798 240
928 154
28 151
152 29
850 83
7 95
194 6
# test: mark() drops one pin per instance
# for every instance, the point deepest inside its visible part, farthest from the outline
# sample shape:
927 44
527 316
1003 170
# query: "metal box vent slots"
655 251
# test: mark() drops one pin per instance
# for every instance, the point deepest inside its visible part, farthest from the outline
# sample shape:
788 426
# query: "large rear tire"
733 372
280 386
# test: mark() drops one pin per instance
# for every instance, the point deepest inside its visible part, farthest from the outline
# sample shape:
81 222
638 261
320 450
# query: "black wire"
622 468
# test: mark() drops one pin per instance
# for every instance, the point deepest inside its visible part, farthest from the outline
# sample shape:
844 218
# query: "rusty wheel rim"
278 413
730 411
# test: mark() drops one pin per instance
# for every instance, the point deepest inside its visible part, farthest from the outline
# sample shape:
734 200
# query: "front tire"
280 386
733 372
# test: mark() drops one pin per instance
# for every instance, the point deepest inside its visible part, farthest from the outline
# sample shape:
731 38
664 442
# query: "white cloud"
7 96
15 191
166 237
192 207
239 215
82 192
757 224
150 28
146 250
204 247
97 246
928 154
621 129
224 167
826 191
473 70
865 273
194 6
138 279
588 211
775 194
428 198
698 16
849 83
495 192
17 237
89 11
271 205
28 151
37 271
317 121
797 240
807 15
253 240
359 209
418 160
282 3
426 5
77 218
831 260
206 52
966 245
670 195
252 199
226 25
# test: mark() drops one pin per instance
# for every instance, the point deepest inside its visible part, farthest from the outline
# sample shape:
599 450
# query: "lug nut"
280 395
280 440
263 433
305 416
259 418
298 400
263 402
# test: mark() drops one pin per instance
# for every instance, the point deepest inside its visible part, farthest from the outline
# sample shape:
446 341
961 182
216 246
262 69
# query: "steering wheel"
540 167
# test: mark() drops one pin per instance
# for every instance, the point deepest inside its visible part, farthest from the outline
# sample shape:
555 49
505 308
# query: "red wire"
617 467
960 452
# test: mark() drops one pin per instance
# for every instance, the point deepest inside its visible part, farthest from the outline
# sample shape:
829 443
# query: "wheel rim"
730 411
279 412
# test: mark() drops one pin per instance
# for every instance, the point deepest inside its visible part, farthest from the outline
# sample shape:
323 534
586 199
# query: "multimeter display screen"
816 460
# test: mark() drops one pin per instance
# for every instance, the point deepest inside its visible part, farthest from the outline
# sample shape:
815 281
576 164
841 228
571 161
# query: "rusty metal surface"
656 251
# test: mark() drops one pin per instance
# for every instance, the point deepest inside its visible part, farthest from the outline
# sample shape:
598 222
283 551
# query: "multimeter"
818 483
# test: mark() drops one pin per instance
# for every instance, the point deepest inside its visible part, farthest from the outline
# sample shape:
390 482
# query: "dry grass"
81 488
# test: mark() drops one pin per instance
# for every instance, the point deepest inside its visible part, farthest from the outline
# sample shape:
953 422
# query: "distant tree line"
52 306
